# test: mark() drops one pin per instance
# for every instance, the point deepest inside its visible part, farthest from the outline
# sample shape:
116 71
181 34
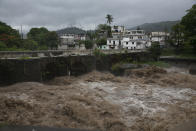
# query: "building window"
127 43
110 41
140 37
132 42
113 42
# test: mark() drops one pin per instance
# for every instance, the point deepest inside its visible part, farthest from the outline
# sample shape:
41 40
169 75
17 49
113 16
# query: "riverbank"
147 99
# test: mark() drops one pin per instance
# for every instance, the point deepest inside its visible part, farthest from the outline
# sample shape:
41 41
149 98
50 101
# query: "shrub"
98 53
155 50
2 46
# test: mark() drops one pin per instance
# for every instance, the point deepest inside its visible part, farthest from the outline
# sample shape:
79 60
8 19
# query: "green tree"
38 35
88 44
30 44
189 23
3 47
52 40
177 37
109 19
155 50
101 42
91 34
104 28
10 37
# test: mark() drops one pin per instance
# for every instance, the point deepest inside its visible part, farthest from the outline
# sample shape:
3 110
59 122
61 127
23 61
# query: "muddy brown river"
148 99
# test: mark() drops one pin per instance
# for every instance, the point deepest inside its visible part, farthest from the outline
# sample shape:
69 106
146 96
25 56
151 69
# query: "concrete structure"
17 69
160 37
115 42
136 39
127 43
118 30
82 47
132 40
57 53
69 41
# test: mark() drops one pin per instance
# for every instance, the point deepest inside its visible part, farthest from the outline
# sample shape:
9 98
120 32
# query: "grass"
154 63
182 54
159 64
98 53
3 124
188 56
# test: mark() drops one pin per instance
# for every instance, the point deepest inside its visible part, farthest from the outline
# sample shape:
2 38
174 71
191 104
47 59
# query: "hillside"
159 26
71 30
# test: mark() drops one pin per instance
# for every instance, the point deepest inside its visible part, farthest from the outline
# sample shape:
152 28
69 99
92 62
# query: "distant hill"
159 26
71 30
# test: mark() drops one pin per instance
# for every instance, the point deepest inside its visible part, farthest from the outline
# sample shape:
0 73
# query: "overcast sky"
87 14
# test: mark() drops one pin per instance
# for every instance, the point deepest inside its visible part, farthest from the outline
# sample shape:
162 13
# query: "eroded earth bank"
148 99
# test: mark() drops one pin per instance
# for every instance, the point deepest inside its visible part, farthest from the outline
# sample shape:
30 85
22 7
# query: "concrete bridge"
59 53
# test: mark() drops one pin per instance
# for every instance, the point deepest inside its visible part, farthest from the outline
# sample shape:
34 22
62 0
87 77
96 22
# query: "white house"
136 39
118 30
160 37
127 43
132 39
115 42
68 41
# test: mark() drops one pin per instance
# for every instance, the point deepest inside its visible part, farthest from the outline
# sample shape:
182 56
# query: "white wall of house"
118 29
127 43
140 45
83 38
114 42
62 47
158 38
148 44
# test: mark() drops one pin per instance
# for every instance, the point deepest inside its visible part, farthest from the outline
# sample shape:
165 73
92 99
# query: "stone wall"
42 69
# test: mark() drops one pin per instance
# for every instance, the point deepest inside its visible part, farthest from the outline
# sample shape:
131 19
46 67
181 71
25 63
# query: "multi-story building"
69 41
160 37
115 42
118 30
131 39
137 39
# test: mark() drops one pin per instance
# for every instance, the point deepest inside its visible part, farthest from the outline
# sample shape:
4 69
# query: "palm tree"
109 18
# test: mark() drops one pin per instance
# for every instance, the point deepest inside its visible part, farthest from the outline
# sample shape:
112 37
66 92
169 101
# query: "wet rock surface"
150 100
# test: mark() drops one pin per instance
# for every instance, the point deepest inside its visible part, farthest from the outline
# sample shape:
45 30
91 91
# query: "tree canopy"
44 38
183 35
38 39
8 36
109 18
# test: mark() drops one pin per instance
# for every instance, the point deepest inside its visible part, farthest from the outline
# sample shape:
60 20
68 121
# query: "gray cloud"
55 14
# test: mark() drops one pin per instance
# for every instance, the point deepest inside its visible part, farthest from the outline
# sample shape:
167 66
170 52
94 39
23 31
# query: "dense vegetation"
9 38
183 35
38 39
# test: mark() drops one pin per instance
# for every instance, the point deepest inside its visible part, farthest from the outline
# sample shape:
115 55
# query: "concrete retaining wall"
46 68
